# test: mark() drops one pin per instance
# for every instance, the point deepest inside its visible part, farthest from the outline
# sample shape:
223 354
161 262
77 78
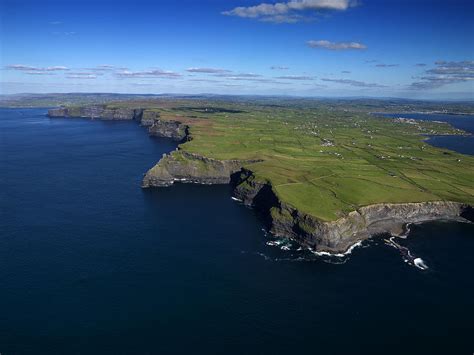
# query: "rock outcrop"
171 129
187 167
149 117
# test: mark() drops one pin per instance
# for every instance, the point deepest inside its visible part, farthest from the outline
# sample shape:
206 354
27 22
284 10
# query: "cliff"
148 118
191 168
284 220
97 112
170 129
337 236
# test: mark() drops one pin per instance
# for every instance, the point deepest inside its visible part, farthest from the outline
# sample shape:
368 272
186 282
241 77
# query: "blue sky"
416 49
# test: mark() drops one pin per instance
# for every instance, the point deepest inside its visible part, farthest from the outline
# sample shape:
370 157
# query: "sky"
324 48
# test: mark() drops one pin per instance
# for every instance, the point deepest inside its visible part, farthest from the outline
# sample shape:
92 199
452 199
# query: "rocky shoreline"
280 218
338 236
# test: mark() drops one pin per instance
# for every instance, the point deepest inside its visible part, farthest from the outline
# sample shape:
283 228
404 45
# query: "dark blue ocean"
92 264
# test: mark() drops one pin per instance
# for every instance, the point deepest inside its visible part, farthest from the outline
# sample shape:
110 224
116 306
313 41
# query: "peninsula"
326 174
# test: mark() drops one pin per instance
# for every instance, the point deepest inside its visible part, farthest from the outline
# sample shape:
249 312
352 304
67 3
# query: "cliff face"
97 112
171 129
190 168
337 236
148 118
284 220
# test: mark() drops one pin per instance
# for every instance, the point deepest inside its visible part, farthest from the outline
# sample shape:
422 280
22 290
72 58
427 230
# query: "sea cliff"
337 236
148 118
181 166
97 112
281 218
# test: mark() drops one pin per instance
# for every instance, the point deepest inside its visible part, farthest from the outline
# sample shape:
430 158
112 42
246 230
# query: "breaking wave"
295 252
407 255
420 264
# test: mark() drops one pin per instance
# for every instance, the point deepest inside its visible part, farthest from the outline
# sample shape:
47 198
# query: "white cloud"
106 68
81 76
336 45
39 73
238 76
285 11
154 73
445 73
28 68
295 77
208 70
85 73
356 83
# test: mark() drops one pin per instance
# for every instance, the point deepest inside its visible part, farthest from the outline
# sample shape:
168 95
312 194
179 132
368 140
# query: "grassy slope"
323 159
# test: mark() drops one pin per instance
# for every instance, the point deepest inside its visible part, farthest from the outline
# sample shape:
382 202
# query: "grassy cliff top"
325 159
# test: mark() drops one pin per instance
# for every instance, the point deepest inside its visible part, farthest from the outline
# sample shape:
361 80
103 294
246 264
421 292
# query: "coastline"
336 237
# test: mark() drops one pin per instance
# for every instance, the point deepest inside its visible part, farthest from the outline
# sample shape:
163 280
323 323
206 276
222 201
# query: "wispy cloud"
371 61
295 77
81 76
84 73
232 85
39 73
356 83
420 65
386 65
208 70
106 68
277 67
238 76
288 12
29 68
55 23
335 46
205 80
290 18
269 81
445 73
345 72
155 73
65 33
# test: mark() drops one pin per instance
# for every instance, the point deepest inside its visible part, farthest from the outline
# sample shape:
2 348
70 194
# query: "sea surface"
92 264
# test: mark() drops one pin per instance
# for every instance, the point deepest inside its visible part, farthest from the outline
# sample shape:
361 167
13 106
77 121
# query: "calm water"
92 264
461 144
